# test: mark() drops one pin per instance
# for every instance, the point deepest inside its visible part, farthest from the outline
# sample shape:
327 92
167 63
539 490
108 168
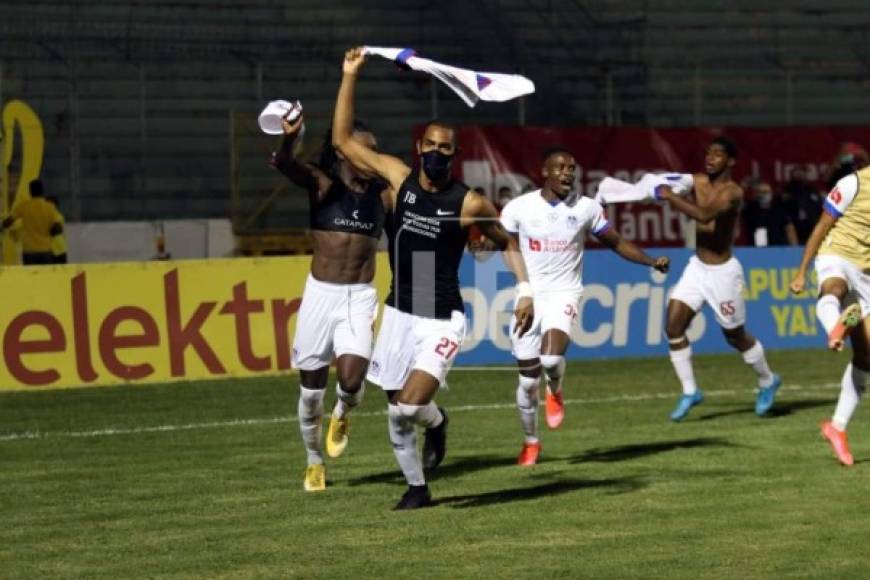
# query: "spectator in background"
505 194
58 242
39 222
804 203
767 219
850 157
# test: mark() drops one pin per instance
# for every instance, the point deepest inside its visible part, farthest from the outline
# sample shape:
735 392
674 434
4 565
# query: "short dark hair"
554 150
36 188
726 144
442 124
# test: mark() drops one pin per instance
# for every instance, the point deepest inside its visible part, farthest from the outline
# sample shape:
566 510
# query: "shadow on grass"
789 407
623 485
626 452
449 469
780 409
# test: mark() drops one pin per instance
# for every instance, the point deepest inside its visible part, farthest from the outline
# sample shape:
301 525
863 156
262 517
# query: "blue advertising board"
622 313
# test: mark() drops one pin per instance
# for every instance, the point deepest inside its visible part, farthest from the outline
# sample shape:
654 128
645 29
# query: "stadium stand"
136 102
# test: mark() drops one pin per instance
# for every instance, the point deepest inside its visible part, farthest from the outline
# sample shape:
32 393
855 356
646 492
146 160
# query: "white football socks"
403 436
682 361
851 389
527 404
345 401
828 311
754 357
428 415
554 368
310 414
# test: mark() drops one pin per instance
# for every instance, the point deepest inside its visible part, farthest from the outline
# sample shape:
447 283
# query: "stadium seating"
153 86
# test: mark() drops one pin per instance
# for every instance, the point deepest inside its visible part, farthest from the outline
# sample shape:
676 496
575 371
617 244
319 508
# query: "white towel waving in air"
612 190
471 86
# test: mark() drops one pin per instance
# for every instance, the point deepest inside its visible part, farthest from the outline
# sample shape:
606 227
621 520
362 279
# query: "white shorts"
831 266
552 310
334 319
408 342
720 286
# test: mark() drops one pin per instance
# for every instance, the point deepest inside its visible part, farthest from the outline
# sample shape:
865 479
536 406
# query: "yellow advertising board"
109 324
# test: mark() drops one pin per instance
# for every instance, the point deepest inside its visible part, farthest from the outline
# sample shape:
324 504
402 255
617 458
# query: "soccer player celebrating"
841 239
714 276
339 304
423 326
551 225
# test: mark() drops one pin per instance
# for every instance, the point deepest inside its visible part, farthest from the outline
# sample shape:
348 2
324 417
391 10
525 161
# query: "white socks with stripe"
754 357
682 361
554 368
345 401
527 404
310 414
852 388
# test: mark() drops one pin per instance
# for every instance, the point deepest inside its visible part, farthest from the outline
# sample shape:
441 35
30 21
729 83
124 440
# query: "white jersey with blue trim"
552 237
849 204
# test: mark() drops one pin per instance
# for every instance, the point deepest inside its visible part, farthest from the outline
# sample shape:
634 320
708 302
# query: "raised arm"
479 211
305 175
631 252
389 168
721 203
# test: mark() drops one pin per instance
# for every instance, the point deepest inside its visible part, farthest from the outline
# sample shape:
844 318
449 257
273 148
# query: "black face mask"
436 165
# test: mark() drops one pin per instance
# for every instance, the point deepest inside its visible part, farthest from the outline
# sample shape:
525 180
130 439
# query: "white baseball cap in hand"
275 112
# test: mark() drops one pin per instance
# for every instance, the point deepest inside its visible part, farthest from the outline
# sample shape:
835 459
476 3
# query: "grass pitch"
204 480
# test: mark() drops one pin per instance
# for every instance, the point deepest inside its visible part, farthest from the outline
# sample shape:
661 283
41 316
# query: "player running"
841 239
423 326
714 276
551 225
339 304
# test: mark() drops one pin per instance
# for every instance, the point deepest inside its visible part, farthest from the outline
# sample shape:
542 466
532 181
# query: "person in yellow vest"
841 239
38 222
58 242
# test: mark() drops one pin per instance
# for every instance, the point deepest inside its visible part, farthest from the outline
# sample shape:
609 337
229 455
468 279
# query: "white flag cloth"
471 86
612 190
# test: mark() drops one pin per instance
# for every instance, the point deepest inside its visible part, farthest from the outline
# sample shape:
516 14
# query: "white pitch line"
29 435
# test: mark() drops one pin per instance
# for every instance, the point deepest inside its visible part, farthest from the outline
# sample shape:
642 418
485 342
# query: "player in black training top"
428 216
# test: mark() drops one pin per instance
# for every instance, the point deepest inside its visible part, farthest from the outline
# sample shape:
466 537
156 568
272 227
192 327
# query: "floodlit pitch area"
204 480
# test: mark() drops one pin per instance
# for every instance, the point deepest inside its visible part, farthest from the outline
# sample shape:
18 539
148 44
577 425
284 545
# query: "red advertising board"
492 157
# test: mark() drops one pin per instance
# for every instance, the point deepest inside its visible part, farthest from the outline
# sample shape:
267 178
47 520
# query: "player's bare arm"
631 252
823 226
305 175
478 210
719 203
391 169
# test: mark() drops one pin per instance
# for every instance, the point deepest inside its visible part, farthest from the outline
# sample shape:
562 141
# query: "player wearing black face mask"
436 165
428 216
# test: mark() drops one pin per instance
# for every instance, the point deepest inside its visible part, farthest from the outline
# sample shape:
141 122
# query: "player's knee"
407 412
528 383
552 363
737 338
674 331
352 384
837 287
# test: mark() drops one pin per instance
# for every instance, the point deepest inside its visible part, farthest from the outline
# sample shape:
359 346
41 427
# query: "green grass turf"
620 493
